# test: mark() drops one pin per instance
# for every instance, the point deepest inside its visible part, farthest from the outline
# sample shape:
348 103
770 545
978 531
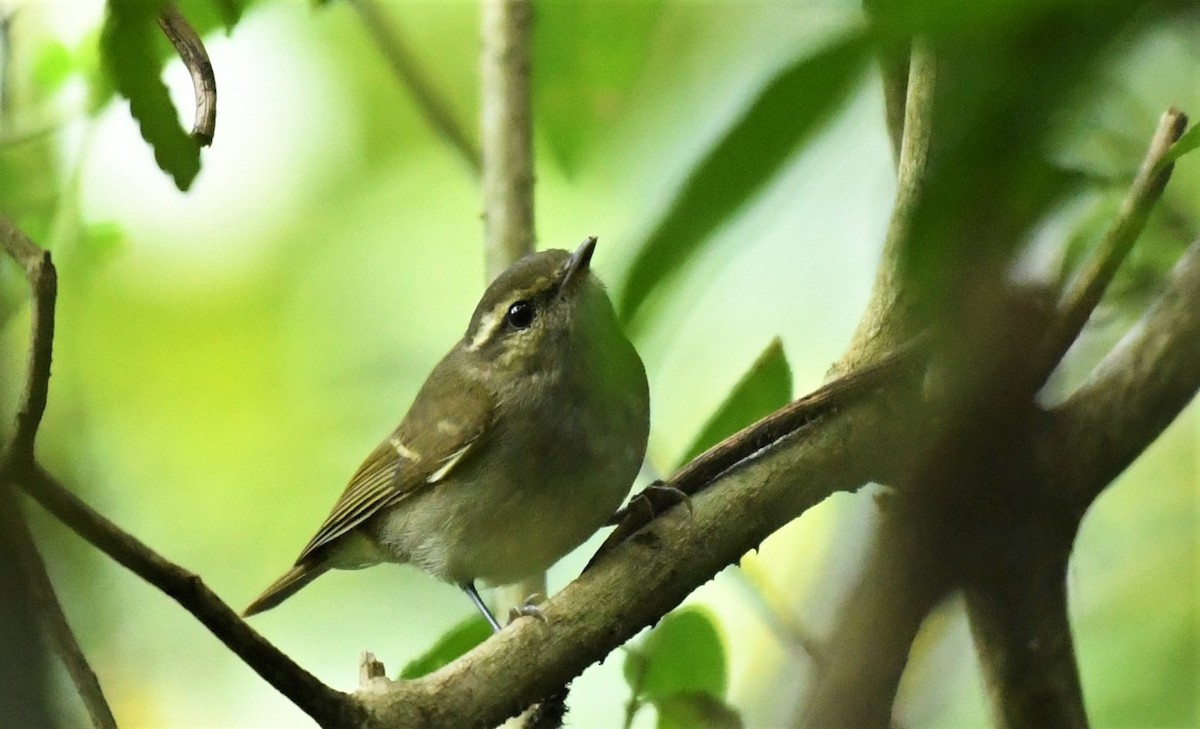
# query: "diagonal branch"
325 705
50 613
410 74
1135 392
195 57
649 574
1089 286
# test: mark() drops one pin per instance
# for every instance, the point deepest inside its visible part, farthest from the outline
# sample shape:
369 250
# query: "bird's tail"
285 587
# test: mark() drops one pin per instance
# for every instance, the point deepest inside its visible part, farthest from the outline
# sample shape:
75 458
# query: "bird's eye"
520 315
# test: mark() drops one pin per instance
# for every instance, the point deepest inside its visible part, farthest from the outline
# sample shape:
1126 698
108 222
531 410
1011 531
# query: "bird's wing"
428 445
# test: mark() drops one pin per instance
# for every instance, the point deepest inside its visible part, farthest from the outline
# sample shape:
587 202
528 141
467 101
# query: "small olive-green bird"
523 442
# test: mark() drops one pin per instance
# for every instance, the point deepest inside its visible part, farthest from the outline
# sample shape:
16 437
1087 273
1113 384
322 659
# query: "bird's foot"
529 609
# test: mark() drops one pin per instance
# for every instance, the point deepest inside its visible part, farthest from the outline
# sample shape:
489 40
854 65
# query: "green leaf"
52 66
766 387
128 50
1187 143
586 60
683 654
693 710
454 643
785 112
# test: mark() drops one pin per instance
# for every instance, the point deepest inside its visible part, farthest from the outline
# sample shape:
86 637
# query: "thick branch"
43 285
410 74
1089 286
195 57
649 574
1135 392
50 613
325 705
507 133
1023 634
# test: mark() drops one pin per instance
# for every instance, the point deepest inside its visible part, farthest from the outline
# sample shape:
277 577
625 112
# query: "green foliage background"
225 357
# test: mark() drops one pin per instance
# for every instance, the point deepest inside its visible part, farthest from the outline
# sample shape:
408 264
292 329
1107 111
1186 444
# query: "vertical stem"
507 133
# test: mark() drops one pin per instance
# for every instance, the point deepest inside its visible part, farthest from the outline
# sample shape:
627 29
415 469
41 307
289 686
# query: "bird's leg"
472 593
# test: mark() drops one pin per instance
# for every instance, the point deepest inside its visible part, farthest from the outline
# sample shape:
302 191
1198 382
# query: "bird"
522 442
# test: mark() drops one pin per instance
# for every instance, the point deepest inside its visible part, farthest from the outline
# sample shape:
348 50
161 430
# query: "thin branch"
1135 392
325 705
507 133
410 74
886 321
43 285
648 575
50 613
195 57
893 70
1089 286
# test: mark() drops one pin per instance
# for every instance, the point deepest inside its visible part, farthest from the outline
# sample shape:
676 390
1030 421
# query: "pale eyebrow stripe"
490 322
488 325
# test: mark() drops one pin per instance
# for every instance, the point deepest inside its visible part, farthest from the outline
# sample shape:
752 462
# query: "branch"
325 705
410 74
204 83
43 285
507 133
886 321
50 613
893 70
710 465
1135 392
1089 286
1022 631
648 575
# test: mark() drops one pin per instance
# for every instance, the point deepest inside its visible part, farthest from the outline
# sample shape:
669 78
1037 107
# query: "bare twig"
43 285
325 705
50 613
410 74
204 83
1088 287
1135 392
507 133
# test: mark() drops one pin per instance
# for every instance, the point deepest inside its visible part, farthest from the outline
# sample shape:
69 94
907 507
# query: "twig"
1135 392
325 705
507 133
887 321
755 439
50 613
1089 286
410 74
204 83
43 285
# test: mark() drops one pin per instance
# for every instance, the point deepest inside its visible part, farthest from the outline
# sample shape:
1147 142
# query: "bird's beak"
578 262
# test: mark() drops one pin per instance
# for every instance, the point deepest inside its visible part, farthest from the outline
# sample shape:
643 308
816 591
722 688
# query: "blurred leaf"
694 710
1187 143
127 45
586 59
52 66
230 12
766 387
683 654
454 643
783 114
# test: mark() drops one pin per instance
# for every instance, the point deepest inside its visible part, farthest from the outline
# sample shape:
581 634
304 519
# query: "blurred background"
226 357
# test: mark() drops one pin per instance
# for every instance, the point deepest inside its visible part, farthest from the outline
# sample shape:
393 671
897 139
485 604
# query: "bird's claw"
529 609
